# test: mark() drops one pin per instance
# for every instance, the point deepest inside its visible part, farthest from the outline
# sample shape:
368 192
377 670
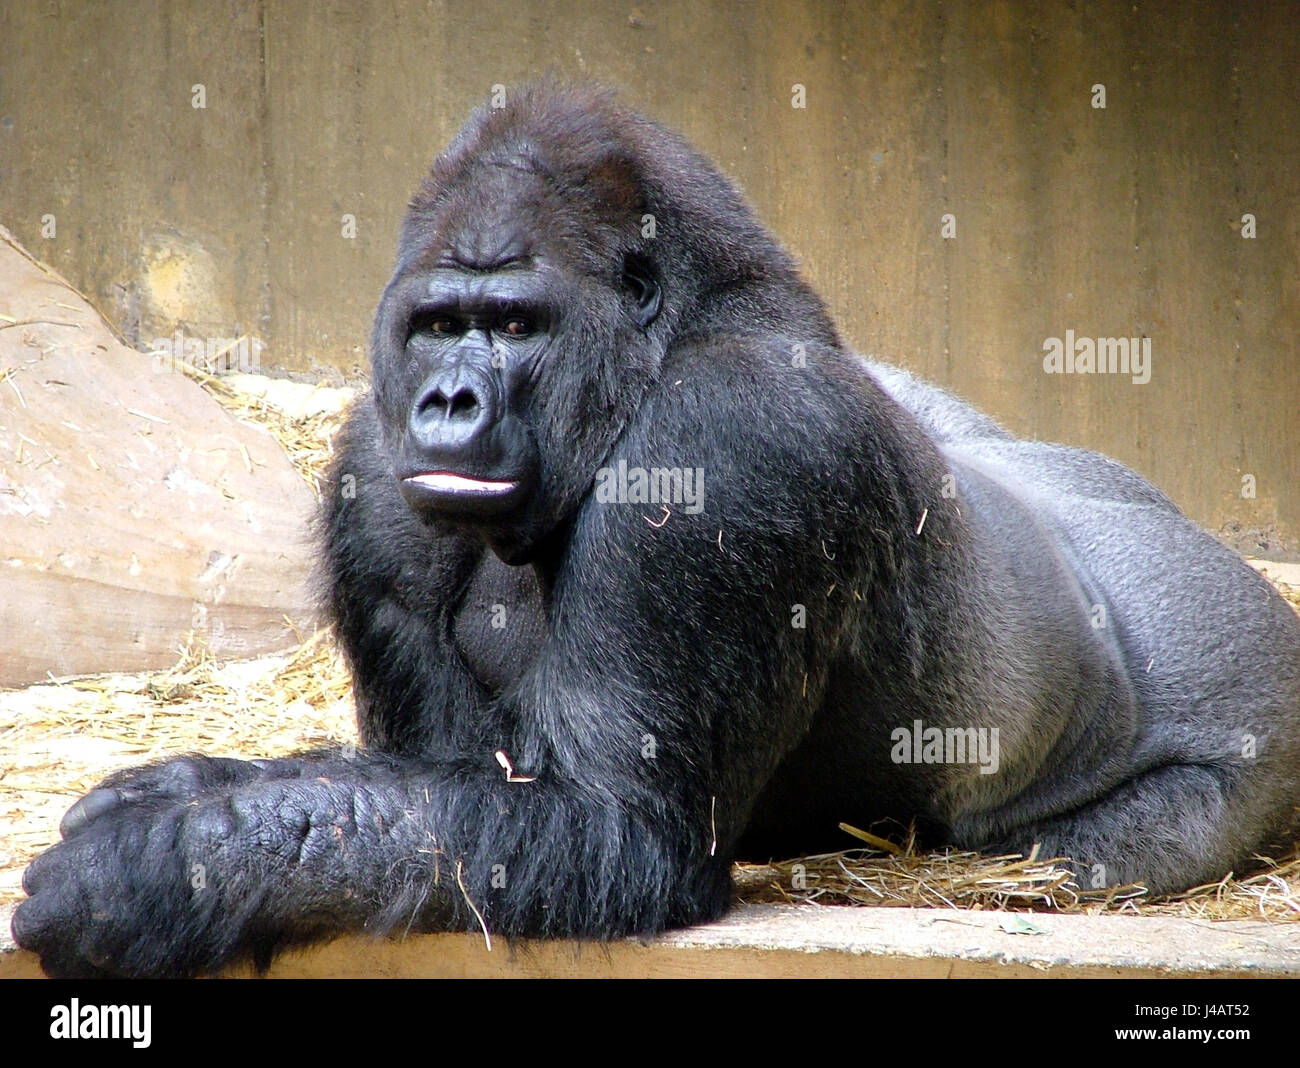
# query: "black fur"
661 707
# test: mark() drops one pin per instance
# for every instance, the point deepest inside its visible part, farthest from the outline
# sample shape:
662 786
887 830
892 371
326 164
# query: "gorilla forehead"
567 174
546 175
494 221
492 215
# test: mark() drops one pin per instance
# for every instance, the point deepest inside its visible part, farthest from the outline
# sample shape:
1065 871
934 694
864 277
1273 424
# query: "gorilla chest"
500 624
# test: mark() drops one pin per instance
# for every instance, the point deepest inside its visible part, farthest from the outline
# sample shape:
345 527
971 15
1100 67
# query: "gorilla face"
512 359
476 340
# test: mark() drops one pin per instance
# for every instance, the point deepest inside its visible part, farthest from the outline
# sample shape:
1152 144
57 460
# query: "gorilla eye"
438 325
518 327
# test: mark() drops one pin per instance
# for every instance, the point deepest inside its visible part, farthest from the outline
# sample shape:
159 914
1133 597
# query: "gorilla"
639 571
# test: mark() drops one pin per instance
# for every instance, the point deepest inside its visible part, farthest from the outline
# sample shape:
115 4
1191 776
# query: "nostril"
462 404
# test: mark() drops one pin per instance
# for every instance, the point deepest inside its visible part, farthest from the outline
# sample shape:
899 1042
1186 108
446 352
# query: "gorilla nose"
449 415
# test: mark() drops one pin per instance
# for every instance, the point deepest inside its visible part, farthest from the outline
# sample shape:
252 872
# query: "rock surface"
134 510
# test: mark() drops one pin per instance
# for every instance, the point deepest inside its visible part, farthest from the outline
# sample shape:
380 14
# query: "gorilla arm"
169 887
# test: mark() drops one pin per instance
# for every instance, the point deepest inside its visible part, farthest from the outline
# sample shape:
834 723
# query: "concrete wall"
1117 222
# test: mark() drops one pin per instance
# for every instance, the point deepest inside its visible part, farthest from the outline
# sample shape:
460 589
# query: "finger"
89 809
40 926
30 920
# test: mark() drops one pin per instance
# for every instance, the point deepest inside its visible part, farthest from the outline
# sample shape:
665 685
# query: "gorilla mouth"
449 482
456 496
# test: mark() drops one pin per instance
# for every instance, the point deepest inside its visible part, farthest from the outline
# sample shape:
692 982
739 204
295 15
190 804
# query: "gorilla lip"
452 495
448 482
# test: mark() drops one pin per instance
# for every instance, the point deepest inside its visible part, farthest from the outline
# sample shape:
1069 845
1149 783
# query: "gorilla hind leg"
1167 829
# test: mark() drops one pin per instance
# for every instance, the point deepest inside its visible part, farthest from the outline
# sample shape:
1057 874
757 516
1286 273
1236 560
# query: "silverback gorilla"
639 571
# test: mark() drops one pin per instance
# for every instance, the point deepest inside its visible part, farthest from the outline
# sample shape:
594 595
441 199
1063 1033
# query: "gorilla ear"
639 277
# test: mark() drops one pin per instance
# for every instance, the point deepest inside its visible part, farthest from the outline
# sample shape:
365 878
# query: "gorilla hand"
175 869
133 864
